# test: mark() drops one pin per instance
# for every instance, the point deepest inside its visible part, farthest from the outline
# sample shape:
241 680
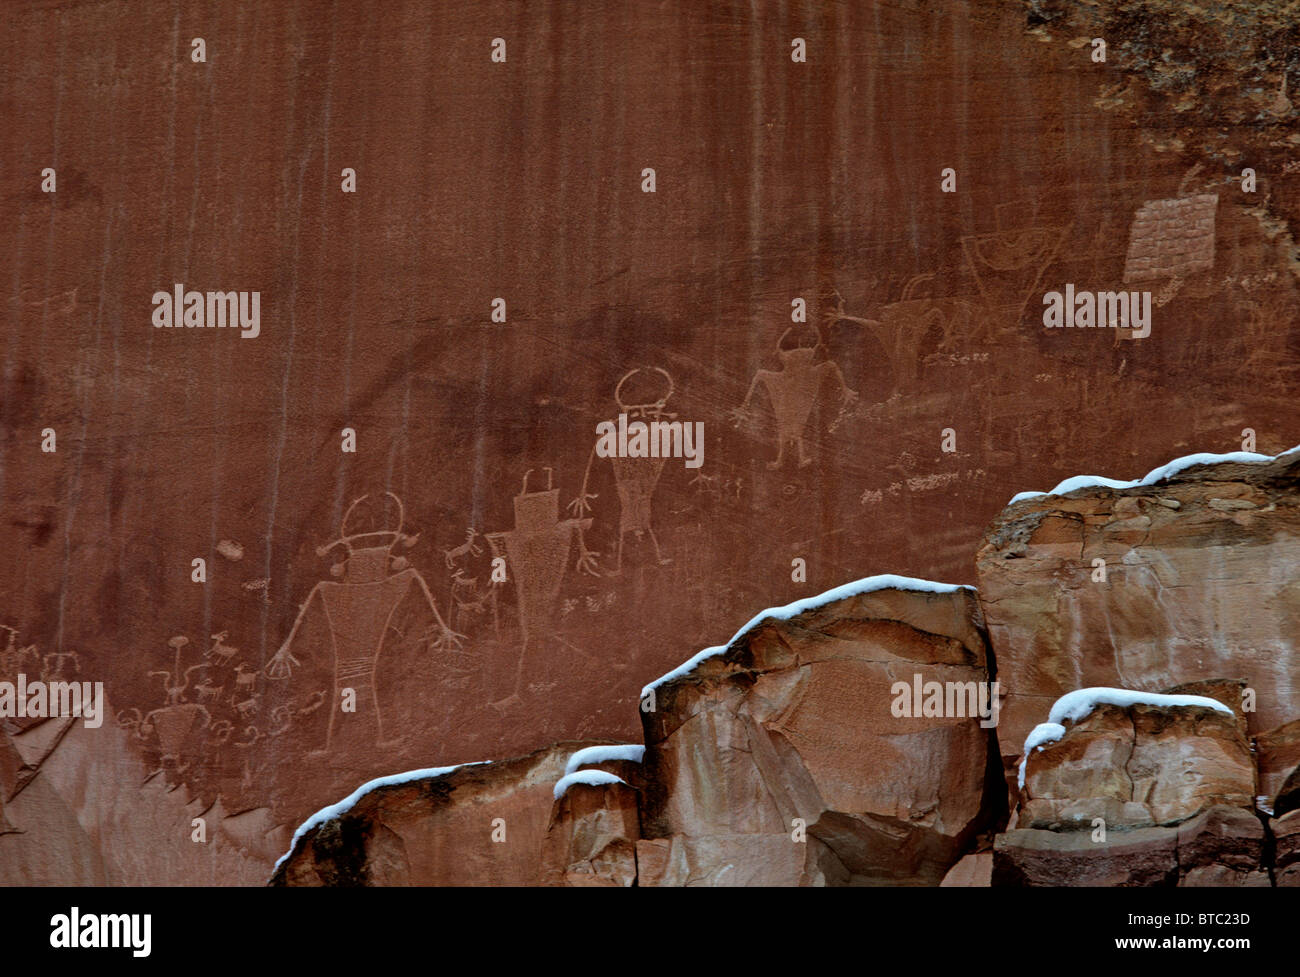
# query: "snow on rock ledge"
1133 759
1075 706
798 720
1039 737
339 808
434 827
589 778
883 581
1156 475
595 755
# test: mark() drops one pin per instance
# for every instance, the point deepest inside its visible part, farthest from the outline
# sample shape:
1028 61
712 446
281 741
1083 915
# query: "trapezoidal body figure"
360 611
537 550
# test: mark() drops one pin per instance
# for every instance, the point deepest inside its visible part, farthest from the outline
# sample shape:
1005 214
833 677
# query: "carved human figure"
359 611
794 390
634 478
537 550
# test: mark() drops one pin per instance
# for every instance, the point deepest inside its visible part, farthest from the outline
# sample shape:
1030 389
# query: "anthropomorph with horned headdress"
794 389
360 611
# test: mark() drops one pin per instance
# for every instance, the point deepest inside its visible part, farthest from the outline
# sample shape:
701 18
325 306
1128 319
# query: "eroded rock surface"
817 180
1138 766
782 760
789 757
1286 836
1223 846
1199 583
592 837
79 806
1277 751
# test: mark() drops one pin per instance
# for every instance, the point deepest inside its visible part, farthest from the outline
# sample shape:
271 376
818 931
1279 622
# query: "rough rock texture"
1223 846
1142 857
1286 835
786 758
1201 81
593 835
974 870
79 806
1199 583
1138 766
781 761
522 180
752 740
483 824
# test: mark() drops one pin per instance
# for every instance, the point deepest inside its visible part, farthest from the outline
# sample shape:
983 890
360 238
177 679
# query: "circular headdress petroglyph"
650 406
346 539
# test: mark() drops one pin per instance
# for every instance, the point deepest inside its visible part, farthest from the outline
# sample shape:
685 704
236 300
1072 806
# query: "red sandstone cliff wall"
522 180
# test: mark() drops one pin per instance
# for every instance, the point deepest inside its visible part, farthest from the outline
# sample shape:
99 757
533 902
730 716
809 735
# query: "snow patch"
1039 737
592 778
1076 706
883 581
345 805
1160 474
591 755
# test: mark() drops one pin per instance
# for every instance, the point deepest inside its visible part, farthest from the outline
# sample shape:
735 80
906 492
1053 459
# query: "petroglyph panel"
412 553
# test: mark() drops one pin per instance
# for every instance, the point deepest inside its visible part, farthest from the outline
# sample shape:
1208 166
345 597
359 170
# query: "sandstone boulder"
1223 846
790 757
592 836
1286 852
1034 857
1137 765
478 824
840 740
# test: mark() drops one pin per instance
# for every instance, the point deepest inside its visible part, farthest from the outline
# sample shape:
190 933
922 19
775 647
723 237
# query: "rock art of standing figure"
537 550
359 611
794 390
635 478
